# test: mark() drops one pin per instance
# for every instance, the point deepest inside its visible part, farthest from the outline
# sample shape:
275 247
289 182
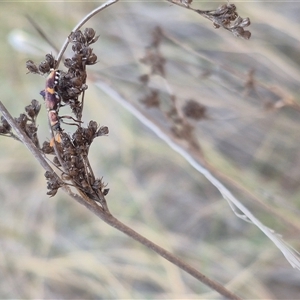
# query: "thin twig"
170 257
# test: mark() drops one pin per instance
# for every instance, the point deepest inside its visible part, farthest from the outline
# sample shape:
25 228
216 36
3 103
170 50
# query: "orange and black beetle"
52 98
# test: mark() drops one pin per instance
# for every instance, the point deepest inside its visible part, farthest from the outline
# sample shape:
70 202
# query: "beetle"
50 95
52 98
52 102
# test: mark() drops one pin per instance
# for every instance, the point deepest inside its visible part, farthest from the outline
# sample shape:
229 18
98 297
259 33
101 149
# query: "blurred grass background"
54 248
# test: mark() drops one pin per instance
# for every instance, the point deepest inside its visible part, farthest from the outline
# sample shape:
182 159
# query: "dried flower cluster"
194 110
224 16
153 57
26 121
73 82
67 88
179 124
5 128
73 152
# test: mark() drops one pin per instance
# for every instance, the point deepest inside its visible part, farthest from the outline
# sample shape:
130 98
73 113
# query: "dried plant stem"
112 221
170 257
187 6
105 215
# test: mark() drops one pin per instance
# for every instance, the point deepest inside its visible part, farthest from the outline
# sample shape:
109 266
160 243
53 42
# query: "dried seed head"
47 149
31 67
56 161
93 126
152 99
194 110
89 34
102 131
155 60
77 47
5 124
105 191
49 58
144 78
53 183
33 109
44 67
22 120
71 150
240 32
237 28
36 106
226 16
69 63
77 36
92 59
4 127
3 131
156 36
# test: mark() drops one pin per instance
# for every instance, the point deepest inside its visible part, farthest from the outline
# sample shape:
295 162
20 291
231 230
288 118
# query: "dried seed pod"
89 33
22 120
156 37
49 58
3 130
5 124
31 67
53 183
194 110
30 111
47 149
93 126
44 67
36 106
144 78
152 99
84 184
56 161
73 172
102 131
77 47
92 59
69 63
226 16
105 192
155 60
78 37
